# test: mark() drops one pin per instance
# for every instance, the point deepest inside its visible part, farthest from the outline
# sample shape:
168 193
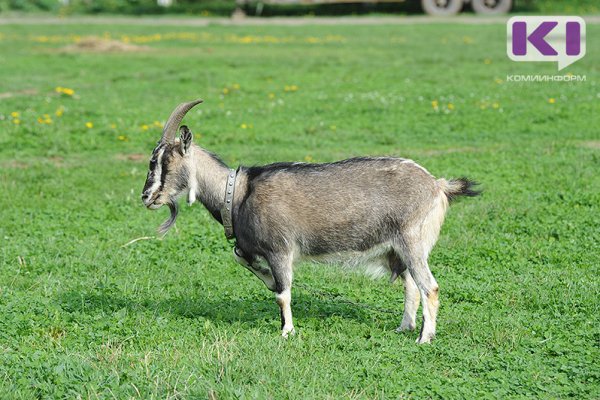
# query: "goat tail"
454 188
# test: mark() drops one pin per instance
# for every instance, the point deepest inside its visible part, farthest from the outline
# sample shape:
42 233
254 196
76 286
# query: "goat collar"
227 209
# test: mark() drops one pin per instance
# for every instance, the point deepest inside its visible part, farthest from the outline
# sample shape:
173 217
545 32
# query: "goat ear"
186 139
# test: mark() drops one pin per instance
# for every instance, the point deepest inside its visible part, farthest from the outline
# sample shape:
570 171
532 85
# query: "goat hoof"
425 339
285 333
406 327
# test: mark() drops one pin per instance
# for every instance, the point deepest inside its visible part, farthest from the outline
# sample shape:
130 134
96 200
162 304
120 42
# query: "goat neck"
207 181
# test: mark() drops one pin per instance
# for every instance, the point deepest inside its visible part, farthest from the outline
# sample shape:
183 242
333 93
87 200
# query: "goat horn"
170 129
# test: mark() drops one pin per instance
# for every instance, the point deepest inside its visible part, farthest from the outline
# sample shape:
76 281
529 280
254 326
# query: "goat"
389 209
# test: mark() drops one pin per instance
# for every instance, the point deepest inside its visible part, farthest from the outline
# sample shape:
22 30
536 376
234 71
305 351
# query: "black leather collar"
227 209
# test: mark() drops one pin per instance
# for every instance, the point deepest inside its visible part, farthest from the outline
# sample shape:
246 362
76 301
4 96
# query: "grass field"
82 316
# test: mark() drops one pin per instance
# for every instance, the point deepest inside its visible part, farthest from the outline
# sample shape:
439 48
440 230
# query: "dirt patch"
137 157
24 92
95 44
13 164
56 161
591 144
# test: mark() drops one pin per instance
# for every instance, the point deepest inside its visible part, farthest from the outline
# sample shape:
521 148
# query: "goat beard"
174 208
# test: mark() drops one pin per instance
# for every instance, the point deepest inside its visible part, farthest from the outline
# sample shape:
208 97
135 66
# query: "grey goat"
384 209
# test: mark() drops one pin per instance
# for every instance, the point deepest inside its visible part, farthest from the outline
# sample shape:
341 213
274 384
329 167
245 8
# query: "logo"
554 39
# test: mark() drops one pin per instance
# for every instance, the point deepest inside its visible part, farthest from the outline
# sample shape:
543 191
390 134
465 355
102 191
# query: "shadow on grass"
253 310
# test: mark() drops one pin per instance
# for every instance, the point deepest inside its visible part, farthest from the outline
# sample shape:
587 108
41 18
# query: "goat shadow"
254 310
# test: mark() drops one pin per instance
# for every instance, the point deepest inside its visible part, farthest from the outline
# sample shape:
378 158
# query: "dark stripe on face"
163 173
152 166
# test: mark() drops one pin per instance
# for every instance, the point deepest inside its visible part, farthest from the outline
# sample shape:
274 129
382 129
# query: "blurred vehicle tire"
442 7
491 6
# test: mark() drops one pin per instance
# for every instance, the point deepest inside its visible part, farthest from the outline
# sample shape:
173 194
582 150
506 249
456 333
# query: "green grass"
82 316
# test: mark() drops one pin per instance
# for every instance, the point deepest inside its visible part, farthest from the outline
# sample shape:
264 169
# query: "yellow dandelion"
144 127
40 120
59 112
236 86
89 125
64 90
435 104
244 126
450 106
496 105
16 121
308 158
48 120
15 114
225 90
122 138
158 124
551 100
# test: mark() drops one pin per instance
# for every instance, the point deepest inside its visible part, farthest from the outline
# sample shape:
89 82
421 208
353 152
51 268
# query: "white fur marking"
284 299
192 183
156 174
411 303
